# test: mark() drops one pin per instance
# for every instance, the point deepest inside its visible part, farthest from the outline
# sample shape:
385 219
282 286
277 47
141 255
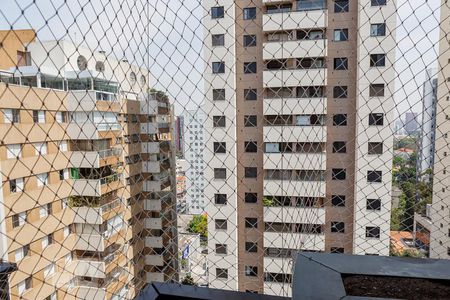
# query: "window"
221 224
337 227
220 198
336 250
16 185
272 148
250 13
222 273
219 121
41 148
64 174
45 210
250 172
376 90
338 200
249 40
341 35
13 151
374 176
42 179
220 173
341 63
250 94
61 117
378 2
340 92
63 146
373 232
250 121
249 67
220 147
251 271
377 60
218 40
19 219
11 115
339 147
38 116
251 147
24 285
378 29
340 6
46 241
66 231
340 120
49 270
375 148
218 67
21 253
251 197
218 94
251 223
338 174
217 12
373 204
221 249
376 119
251 247
303 5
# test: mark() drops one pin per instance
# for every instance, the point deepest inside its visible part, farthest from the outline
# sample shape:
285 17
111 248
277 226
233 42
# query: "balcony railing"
108 126
105 96
111 205
110 152
110 178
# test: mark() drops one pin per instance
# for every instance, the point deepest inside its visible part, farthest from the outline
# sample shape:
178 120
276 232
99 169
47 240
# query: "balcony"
90 130
294 48
314 215
294 188
89 268
95 159
293 105
154 260
304 161
96 187
294 20
300 134
305 241
295 77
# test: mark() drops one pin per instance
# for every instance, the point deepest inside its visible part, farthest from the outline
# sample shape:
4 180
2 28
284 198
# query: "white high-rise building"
194 146
425 157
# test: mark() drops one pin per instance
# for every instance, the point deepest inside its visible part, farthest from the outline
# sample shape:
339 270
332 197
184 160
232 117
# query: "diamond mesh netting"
208 142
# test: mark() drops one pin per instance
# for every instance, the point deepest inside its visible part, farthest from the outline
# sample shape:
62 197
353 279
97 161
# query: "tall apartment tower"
298 134
440 212
425 156
194 146
87 166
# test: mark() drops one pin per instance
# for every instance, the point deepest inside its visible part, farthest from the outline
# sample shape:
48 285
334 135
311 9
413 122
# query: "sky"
173 31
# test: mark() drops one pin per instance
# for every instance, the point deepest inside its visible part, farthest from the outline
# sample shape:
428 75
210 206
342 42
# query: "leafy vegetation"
268 202
188 280
199 224
415 192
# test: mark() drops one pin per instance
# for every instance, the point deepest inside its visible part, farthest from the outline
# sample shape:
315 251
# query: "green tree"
407 203
199 224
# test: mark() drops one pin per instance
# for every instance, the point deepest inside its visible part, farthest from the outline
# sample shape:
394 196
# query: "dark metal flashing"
319 275
165 291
